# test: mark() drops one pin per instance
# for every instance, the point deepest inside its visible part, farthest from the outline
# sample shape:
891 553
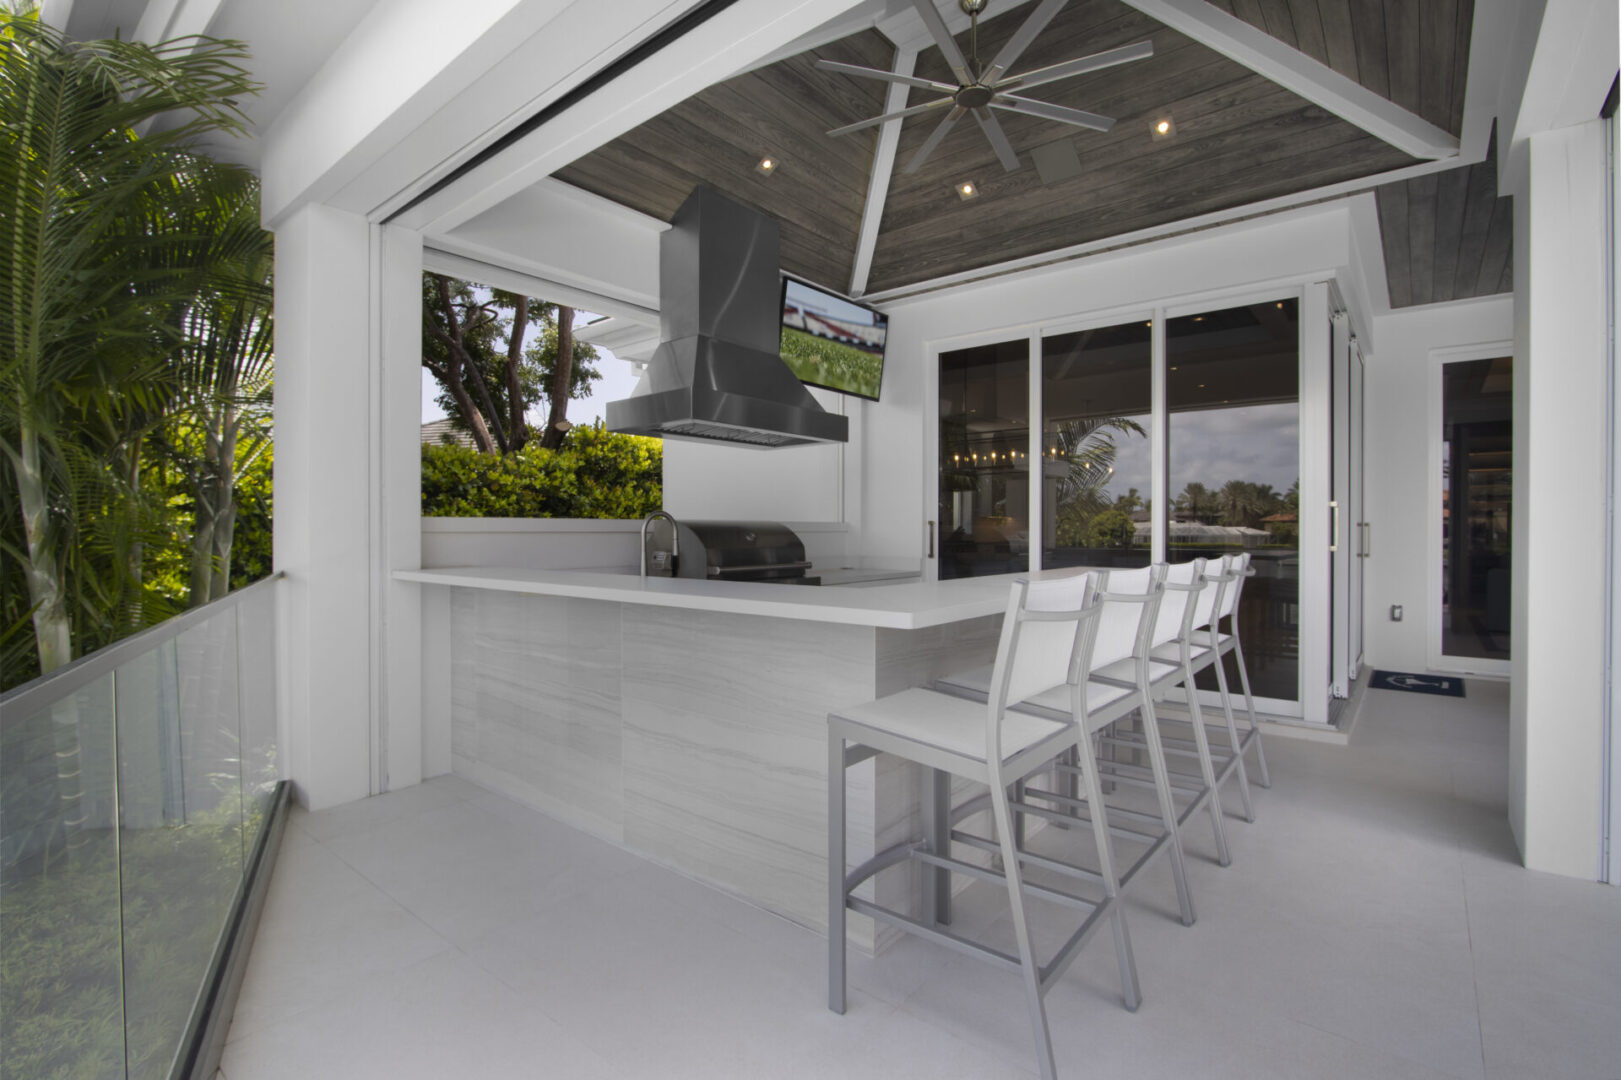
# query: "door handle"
931 539
1334 526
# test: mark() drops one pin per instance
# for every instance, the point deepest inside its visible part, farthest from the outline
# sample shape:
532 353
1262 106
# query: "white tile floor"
1373 924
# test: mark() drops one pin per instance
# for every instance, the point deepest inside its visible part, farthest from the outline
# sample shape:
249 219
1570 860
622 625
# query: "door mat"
1445 685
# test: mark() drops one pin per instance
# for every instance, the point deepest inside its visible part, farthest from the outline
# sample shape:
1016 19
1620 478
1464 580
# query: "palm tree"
95 264
1088 446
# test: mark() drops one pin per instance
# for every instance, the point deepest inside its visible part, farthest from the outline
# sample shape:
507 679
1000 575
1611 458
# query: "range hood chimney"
717 373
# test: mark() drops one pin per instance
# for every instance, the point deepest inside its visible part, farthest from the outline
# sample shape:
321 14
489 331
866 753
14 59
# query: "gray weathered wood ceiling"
1448 235
1239 138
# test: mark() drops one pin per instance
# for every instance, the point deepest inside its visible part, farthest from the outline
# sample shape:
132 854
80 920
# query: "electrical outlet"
1395 613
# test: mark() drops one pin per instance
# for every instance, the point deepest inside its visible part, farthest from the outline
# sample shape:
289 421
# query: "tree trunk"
453 372
204 518
225 507
52 632
517 431
562 376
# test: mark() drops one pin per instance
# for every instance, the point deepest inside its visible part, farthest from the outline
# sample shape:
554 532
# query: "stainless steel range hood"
717 373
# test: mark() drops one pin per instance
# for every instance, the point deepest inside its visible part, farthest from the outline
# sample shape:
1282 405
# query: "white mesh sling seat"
1045 646
1139 615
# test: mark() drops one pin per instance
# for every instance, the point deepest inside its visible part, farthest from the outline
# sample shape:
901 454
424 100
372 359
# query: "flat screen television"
830 342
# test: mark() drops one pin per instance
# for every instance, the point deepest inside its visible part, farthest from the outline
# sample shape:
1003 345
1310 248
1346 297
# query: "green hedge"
594 474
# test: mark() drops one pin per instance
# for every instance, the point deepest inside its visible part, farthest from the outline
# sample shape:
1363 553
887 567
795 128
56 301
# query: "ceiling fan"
980 88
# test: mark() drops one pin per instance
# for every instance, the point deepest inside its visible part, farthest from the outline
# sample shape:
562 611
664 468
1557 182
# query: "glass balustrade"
133 785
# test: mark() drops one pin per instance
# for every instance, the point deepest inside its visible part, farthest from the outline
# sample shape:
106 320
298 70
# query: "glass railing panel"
61 1008
256 647
179 738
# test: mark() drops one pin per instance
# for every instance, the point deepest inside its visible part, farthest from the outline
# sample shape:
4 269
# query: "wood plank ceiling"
1238 137
1447 236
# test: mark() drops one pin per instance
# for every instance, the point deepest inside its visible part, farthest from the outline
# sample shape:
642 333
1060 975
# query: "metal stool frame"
1038 619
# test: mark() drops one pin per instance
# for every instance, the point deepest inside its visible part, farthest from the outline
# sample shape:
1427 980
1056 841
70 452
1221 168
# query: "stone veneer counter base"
692 729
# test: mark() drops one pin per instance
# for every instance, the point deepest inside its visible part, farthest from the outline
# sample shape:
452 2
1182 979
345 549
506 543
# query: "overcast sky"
1258 443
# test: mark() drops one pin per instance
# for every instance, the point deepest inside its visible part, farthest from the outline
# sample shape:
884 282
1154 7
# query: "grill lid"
740 550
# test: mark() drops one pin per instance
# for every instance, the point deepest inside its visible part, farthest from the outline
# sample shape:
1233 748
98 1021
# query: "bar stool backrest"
1214 593
1040 646
1238 566
1174 606
1126 624
1039 636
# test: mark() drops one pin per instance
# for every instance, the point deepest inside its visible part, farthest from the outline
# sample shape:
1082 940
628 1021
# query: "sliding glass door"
984 466
1097 474
1232 391
1194 432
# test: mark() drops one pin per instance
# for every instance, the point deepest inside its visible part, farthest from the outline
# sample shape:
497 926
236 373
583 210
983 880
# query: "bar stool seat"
974 685
952 725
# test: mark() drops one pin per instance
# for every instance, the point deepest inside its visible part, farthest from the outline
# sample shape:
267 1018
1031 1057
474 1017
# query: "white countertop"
909 605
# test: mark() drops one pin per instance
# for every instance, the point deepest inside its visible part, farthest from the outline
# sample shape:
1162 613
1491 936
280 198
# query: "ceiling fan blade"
1078 117
886 76
902 114
1142 50
1021 39
934 139
993 131
942 38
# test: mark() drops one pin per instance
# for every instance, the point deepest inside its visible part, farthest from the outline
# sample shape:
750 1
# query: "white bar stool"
1139 616
1046 646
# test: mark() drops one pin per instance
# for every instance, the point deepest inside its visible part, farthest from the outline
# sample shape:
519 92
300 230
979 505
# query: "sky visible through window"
1257 443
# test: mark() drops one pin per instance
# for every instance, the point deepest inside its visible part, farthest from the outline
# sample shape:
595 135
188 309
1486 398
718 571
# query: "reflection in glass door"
1097 474
1477 473
984 492
1233 472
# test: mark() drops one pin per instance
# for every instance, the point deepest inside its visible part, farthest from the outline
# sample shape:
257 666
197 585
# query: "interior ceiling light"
967 190
1163 128
981 88
767 165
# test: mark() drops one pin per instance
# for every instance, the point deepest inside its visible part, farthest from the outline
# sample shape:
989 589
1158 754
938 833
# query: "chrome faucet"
667 558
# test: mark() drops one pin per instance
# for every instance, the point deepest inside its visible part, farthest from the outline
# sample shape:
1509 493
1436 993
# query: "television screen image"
829 342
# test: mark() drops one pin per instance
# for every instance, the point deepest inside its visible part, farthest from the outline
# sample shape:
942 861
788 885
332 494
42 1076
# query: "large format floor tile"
1373 924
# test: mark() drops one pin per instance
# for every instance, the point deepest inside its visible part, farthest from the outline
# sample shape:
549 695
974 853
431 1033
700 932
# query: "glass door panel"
1233 470
1097 412
1477 473
984 493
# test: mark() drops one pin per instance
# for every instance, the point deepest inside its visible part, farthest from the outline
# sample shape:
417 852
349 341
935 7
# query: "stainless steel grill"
742 551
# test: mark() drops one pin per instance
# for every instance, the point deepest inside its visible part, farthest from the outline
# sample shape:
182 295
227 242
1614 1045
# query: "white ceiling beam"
1295 71
707 54
883 167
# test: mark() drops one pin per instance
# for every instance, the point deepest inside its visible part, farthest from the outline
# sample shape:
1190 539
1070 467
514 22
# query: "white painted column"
403 680
322 502
1316 490
1560 404
347 503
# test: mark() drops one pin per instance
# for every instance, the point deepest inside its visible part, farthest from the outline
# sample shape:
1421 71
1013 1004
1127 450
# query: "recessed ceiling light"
967 190
1162 128
767 165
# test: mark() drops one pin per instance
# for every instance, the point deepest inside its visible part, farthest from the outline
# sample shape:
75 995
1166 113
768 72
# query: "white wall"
898 482
1397 481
